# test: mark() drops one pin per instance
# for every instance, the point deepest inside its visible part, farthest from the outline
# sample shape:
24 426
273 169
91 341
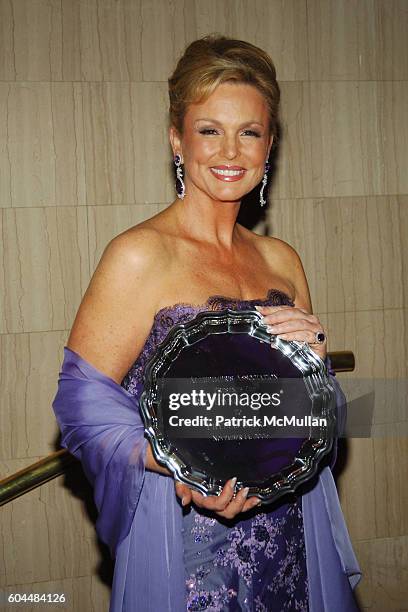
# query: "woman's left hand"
292 323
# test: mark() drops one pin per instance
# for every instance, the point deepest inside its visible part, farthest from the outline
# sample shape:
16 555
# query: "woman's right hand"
224 504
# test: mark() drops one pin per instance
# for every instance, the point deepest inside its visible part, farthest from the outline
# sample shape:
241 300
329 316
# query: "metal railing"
57 463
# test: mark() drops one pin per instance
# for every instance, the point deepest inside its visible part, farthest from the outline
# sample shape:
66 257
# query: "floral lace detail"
289 574
265 532
240 555
202 528
178 313
210 601
259 606
262 560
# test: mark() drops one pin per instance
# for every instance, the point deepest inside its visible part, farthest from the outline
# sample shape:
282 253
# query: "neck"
208 220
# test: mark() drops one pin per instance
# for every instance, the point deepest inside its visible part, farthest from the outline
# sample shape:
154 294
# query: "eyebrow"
219 122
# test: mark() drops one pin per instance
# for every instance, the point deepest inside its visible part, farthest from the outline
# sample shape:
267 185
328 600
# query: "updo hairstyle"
214 59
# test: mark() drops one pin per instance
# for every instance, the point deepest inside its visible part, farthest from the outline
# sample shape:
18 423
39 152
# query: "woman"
176 549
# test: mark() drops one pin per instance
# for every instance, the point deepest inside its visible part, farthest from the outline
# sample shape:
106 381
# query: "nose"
229 146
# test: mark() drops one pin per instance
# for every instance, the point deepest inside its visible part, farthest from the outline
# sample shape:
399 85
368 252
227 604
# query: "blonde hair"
214 59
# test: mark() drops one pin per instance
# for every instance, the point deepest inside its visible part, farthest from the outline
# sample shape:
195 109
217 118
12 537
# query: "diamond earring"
180 187
264 181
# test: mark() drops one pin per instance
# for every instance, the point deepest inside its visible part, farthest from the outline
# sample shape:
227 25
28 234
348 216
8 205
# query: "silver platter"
234 345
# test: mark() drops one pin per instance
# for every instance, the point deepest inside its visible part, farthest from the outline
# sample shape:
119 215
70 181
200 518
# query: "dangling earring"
264 181
180 187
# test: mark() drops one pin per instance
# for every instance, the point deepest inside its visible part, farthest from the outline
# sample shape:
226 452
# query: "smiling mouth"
228 174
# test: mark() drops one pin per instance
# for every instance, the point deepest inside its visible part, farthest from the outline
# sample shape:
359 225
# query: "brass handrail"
35 475
57 463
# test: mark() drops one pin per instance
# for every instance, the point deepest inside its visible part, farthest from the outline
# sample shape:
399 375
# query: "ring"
320 337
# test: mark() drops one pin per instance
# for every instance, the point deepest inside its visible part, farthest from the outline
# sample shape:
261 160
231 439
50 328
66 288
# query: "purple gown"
292 556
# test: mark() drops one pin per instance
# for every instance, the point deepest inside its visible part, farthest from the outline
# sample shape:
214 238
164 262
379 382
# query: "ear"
175 141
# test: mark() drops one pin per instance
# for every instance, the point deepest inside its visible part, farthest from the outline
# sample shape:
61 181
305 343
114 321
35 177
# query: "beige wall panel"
342 139
165 26
403 212
342 40
110 40
30 142
46 267
353 249
278 26
373 484
394 127
128 158
393 20
68 144
373 489
107 36
27 423
7 60
384 378
293 170
346 139
140 39
34 545
5 169
83 594
385 566
358 39
359 138
106 222
377 338
42 157
33 52
70 40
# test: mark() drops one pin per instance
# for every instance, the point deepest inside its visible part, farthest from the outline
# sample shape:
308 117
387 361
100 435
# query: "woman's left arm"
295 322
299 323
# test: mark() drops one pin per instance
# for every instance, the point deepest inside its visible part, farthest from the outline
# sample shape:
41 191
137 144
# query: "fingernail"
258 308
271 328
245 492
184 501
258 503
233 482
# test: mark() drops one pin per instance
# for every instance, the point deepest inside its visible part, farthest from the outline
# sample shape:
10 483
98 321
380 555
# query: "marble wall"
83 103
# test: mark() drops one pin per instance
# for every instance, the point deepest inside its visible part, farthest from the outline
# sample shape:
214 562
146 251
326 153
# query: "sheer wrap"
140 516
101 426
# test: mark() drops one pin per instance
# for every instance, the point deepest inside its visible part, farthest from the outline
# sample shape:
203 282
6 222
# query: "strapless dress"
257 561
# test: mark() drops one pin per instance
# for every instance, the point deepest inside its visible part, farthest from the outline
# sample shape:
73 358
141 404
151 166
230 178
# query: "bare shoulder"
117 310
283 257
138 246
277 248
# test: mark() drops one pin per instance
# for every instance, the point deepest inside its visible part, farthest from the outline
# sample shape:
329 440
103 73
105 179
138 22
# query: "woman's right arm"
117 310
113 322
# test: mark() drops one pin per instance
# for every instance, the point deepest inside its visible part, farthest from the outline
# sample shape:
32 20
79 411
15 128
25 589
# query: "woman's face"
225 142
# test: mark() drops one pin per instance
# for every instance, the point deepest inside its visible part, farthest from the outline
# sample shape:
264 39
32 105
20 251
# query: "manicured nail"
233 482
245 492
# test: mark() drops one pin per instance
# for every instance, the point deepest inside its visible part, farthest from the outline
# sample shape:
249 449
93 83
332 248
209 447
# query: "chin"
228 194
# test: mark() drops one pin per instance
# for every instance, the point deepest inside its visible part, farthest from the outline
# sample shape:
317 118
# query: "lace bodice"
182 312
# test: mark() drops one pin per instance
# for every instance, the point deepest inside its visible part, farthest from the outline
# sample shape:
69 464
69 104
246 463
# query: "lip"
221 173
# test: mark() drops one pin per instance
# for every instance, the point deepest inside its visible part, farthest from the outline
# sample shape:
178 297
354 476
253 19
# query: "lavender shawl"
140 516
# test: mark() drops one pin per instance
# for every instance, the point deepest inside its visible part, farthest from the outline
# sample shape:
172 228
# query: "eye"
251 133
208 131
